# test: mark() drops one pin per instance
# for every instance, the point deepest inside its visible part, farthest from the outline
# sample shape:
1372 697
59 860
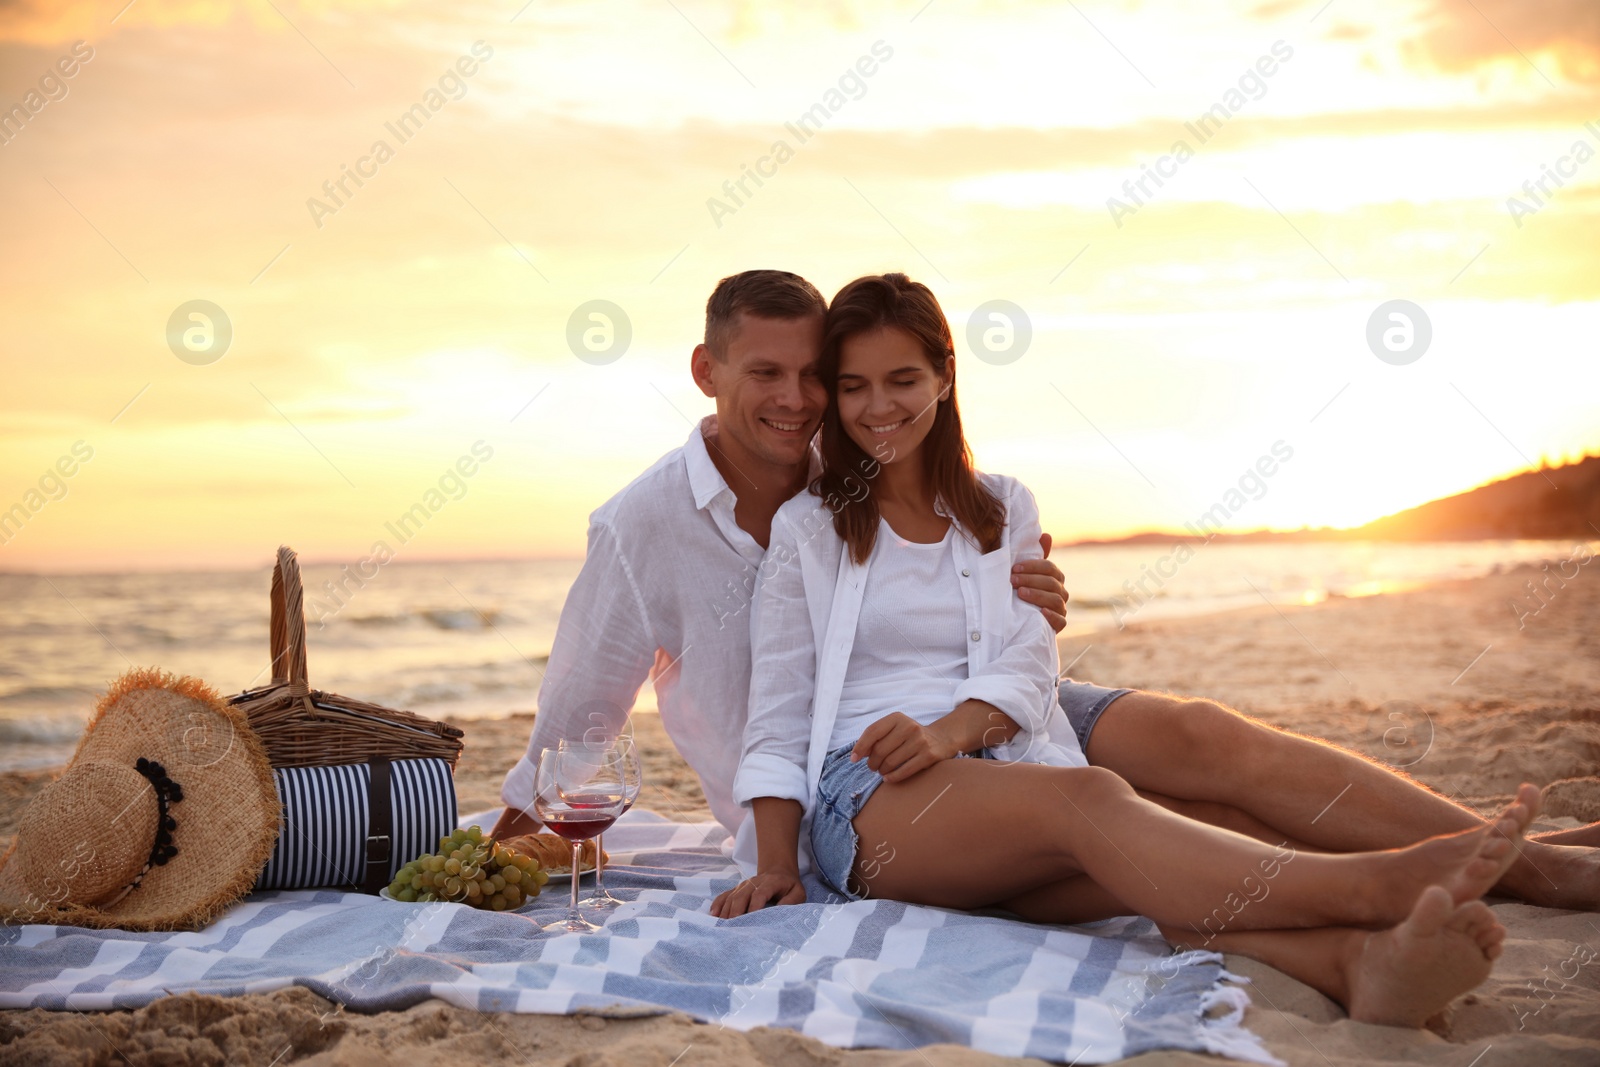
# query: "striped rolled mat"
327 834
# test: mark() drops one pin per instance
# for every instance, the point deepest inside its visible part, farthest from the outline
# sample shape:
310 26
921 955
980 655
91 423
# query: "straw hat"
163 818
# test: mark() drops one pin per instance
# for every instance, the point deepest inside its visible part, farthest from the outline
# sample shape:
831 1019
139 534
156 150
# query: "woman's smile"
888 388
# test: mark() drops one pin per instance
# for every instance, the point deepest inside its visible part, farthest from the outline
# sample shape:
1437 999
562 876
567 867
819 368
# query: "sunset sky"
379 333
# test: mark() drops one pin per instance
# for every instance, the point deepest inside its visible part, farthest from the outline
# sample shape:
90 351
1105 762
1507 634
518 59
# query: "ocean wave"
41 731
147 634
48 694
1114 601
399 619
493 685
35 757
460 619
436 692
438 618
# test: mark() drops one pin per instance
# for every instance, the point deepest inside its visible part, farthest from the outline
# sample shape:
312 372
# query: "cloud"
49 22
1463 34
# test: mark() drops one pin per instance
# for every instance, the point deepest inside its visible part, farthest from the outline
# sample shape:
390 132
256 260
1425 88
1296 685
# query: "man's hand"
1041 583
753 894
897 747
514 822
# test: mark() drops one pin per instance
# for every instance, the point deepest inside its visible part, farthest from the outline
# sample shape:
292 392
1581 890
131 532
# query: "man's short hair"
772 294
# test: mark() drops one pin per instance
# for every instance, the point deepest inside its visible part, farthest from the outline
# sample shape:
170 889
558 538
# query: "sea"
470 639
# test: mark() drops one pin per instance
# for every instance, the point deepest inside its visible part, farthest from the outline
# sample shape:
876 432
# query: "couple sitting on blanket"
900 619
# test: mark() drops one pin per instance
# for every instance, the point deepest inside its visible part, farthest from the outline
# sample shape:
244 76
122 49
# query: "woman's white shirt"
804 617
910 652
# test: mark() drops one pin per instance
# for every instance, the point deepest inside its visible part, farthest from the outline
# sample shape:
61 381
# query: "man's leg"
1304 789
1229 818
1327 796
1588 836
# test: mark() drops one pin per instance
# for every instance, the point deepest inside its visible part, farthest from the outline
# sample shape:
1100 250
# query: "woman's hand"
753 894
777 879
897 747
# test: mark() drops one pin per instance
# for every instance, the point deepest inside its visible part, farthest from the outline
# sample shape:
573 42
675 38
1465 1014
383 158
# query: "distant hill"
1549 503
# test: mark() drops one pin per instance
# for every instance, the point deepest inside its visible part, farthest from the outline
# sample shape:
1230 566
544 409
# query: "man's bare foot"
1554 876
1404 976
1466 864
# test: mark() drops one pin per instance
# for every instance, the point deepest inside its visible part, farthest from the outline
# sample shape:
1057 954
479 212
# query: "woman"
886 645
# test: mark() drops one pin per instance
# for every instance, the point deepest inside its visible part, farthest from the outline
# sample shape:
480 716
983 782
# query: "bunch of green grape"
470 868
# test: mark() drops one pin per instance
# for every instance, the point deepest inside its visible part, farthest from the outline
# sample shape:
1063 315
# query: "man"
672 563
673 558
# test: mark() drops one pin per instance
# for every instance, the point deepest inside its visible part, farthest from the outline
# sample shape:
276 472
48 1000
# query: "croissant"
553 853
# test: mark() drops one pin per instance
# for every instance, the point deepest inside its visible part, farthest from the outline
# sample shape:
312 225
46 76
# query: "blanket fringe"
1231 998
1225 1034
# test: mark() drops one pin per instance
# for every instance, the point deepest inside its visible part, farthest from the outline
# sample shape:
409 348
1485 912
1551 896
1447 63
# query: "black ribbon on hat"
168 793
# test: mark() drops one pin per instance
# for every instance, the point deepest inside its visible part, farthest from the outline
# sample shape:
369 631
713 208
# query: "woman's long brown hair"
868 304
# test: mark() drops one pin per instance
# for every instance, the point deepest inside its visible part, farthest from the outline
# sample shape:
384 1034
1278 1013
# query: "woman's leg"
1081 899
1078 899
1398 977
970 834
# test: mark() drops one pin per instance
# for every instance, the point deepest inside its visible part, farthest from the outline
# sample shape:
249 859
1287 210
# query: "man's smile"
784 427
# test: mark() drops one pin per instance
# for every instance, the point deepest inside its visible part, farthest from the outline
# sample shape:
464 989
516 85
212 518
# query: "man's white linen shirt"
666 584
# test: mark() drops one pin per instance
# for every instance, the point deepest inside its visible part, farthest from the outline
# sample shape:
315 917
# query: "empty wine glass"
632 780
577 792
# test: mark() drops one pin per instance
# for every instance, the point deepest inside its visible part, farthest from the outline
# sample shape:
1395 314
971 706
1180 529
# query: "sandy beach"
1441 681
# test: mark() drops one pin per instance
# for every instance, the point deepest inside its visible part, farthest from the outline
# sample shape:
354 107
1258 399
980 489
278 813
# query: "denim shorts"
845 787
1084 703
842 791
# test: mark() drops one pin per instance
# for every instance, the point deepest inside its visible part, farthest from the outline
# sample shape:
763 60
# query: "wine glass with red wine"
578 791
632 781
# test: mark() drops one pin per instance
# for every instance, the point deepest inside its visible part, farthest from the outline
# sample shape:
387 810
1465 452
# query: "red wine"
578 825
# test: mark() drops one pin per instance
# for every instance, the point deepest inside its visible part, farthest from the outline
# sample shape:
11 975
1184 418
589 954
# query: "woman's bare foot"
1501 844
1404 976
1466 864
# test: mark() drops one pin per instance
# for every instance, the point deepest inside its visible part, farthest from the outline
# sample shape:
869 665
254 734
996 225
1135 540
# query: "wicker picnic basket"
305 727
363 788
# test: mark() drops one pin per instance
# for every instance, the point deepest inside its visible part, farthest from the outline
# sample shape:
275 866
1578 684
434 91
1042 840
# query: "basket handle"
288 620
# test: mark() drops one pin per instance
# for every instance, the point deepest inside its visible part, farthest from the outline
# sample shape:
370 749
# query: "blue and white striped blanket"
853 974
